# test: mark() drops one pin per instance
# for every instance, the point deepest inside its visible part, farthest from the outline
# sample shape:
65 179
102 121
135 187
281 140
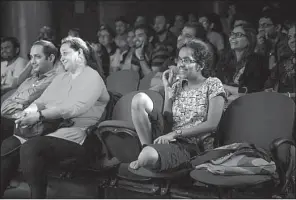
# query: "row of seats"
263 127
127 81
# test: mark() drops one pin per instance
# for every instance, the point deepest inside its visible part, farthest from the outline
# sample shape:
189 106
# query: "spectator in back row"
271 41
13 66
163 35
121 26
106 38
47 33
282 78
74 32
148 56
213 26
178 24
240 69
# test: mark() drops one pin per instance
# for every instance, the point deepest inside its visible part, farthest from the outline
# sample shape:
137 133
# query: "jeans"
34 157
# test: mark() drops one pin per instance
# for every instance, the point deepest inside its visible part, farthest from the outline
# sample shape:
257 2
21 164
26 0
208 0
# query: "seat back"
123 82
122 109
258 118
145 83
122 142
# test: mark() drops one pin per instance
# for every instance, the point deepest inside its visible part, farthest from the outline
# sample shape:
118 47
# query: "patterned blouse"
190 107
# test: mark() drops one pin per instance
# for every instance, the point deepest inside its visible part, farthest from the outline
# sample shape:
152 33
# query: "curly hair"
201 52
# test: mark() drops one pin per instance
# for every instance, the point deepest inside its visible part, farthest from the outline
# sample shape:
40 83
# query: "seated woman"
240 69
78 94
282 78
195 104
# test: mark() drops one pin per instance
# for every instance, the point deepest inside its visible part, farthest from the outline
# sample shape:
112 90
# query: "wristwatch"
178 133
41 117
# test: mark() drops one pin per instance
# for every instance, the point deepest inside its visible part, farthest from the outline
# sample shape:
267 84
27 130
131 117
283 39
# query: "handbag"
43 127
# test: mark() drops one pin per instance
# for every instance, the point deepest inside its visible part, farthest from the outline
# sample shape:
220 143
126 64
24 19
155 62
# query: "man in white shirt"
14 69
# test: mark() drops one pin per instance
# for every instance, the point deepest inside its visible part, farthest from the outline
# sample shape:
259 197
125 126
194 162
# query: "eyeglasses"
237 35
185 61
265 25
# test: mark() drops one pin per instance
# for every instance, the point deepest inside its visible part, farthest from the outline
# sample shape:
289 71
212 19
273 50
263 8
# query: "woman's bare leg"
148 158
141 106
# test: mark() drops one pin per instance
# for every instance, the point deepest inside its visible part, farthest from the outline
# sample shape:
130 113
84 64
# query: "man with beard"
271 42
163 35
43 57
12 65
148 56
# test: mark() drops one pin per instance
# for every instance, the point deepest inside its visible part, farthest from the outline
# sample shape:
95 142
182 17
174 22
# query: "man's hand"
140 52
28 119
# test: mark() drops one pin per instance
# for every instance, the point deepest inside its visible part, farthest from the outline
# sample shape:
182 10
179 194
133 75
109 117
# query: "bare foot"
135 165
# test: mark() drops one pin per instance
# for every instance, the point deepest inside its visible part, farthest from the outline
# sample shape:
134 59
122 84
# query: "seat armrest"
201 138
285 175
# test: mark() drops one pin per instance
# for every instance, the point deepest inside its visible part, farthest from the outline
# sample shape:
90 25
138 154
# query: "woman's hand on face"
167 78
165 139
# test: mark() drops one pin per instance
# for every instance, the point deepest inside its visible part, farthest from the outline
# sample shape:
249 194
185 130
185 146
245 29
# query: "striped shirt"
155 56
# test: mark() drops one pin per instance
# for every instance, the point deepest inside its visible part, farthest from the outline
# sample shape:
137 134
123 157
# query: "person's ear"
51 58
17 50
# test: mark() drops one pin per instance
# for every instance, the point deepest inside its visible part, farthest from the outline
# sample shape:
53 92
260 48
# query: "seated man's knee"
32 147
142 101
148 154
9 145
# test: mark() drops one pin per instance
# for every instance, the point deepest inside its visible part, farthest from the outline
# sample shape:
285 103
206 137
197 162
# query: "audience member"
194 104
13 66
282 78
121 26
240 69
271 41
43 57
148 56
163 35
178 24
74 32
213 26
78 94
106 38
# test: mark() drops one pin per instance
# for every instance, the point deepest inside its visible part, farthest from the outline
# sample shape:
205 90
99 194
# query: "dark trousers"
34 157
7 127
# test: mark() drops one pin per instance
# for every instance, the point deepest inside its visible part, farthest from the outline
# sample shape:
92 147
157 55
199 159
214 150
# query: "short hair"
273 14
76 30
107 28
200 31
215 19
48 48
201 52
148 30
121 19
14 41
168 20
46 33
